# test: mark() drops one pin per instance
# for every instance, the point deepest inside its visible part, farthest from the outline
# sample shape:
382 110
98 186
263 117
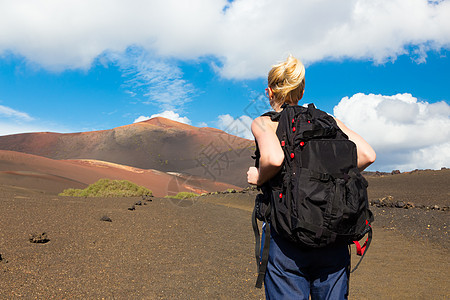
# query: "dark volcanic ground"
202 249
160 250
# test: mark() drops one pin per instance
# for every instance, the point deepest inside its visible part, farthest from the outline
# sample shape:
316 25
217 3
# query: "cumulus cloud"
240 126
245 36
141 119
166 114
406 133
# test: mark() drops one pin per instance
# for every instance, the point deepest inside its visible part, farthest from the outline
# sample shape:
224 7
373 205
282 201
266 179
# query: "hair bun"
287 80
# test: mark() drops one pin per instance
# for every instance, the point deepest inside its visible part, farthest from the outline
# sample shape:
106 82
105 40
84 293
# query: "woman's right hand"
252 175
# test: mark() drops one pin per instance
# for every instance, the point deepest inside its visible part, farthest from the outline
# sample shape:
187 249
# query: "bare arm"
366 154
272 155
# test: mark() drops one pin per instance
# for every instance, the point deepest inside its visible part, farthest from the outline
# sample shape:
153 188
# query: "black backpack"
319 197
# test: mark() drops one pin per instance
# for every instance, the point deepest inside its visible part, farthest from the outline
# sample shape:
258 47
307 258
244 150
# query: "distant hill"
45 175
159 144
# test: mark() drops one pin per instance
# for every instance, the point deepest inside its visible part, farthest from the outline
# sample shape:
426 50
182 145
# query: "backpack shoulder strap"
315 112
262 255
257 155
274 116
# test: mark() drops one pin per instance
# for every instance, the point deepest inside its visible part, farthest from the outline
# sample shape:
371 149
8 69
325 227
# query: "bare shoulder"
339 123
263 125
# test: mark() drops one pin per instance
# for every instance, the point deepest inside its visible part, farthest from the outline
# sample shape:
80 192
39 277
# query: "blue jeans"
294 273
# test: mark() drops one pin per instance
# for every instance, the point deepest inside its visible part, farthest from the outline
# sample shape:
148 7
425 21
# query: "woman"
294 273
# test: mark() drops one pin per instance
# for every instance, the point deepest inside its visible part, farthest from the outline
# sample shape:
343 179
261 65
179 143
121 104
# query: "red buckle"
360 249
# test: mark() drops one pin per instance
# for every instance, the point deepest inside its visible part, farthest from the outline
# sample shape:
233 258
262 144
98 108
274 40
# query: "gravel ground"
198 249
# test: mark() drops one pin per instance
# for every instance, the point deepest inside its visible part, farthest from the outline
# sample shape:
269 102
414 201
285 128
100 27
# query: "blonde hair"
287 81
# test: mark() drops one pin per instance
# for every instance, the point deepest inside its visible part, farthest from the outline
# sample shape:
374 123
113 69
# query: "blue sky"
380 66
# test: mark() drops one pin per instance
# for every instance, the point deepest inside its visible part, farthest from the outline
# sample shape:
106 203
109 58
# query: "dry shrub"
109 188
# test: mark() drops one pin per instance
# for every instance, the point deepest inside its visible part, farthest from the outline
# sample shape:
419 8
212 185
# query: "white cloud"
166 114
158 81
246 38
13 122
141 119
12 113
406 133
240 126
8 127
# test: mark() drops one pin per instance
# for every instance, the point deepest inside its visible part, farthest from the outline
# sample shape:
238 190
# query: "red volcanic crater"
26 171
158 143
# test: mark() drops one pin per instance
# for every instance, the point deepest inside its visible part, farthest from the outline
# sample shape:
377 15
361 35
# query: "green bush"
183 195
109 188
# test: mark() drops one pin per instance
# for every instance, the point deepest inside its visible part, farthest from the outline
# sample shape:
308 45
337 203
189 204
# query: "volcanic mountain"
44 175
159 144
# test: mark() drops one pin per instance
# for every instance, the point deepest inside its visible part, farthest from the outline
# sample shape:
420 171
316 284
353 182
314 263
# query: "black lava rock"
39 238
399 204
147 197
106 219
